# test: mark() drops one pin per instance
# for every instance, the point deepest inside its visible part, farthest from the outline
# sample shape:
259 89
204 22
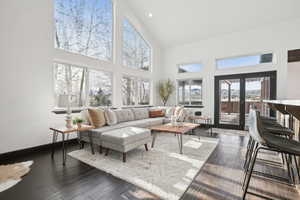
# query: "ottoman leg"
107 150
146 147
124 157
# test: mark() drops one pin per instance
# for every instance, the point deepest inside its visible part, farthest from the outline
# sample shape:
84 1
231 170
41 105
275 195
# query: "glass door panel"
256 90
229 102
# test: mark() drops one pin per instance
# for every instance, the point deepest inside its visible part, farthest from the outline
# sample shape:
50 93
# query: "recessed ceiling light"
150 15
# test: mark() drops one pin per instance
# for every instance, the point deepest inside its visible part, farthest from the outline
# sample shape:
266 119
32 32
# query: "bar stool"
266 141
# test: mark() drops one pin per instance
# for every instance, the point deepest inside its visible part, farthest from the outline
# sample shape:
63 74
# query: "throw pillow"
182 115
178 110
156 113
111 117
97 117
170 112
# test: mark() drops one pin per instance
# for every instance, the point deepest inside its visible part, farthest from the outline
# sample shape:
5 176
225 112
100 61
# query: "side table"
207 121
64 131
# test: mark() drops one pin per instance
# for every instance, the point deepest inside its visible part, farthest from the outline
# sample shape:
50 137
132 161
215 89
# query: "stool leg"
146 147
124 157
107 150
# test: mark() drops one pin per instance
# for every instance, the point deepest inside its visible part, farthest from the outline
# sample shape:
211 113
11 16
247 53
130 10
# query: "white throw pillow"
169 112
111 117
182 115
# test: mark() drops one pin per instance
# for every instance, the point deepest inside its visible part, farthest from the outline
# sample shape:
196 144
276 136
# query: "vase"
79 125
69 121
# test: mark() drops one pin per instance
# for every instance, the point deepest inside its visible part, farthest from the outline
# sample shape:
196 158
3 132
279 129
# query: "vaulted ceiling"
177 22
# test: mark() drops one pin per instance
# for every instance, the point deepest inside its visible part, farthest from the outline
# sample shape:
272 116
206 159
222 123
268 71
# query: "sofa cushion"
126 135
97 117
140 113
111 117
178 110
124 115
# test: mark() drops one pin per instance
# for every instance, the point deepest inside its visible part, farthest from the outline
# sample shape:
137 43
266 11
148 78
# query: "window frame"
143 38
113 33
246 66
190 63
189 98
136 92
86 103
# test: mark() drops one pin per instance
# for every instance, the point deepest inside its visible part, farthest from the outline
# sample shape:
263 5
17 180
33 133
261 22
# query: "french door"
235 94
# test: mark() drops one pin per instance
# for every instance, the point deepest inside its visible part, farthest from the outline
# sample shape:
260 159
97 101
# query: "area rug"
12 174
162 170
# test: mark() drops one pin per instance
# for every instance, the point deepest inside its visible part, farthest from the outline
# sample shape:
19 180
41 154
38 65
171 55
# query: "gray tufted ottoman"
125 139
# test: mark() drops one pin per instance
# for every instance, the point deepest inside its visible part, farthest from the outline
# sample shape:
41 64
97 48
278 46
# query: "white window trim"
143 38
86 100
189 80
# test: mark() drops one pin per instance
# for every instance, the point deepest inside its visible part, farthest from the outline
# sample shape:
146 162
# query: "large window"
136 52
189 92
94 89
84 27
244 61
183 68
100 88
135 91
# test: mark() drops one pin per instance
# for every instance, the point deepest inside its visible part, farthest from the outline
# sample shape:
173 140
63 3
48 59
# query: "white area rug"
162 170
12 174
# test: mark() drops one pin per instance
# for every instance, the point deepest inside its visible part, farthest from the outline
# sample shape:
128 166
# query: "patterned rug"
162 170
10 175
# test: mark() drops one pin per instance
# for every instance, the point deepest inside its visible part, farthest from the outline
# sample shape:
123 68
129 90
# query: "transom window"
183 68
136 51
244 61
86 87
84 27
135 91
189 92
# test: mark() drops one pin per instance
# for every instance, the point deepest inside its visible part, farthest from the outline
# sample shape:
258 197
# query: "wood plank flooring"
220 178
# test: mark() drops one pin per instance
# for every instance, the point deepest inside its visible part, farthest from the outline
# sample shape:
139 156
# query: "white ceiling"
177 22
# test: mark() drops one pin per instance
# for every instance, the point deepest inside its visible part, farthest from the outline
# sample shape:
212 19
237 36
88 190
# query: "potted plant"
78 121
165 88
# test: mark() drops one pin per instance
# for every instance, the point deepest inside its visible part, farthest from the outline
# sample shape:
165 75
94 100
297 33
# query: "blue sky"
238 62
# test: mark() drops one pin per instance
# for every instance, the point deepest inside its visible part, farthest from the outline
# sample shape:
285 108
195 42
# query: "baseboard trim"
23 152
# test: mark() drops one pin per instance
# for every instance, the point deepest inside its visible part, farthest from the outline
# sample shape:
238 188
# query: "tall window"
135 91
84 27
98 92
136 52
100 88
244 61
190 92
183 68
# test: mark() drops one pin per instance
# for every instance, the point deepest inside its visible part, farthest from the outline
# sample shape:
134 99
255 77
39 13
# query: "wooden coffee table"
177 130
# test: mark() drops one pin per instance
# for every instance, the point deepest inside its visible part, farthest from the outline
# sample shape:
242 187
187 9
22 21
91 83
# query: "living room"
115 76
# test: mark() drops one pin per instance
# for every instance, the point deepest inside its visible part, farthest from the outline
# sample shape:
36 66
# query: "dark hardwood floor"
220 178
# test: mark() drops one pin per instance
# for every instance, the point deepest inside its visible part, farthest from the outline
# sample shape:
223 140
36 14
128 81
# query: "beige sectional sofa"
134 117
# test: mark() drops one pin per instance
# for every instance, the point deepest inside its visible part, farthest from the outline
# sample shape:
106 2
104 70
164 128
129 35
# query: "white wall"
26 78
276 38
